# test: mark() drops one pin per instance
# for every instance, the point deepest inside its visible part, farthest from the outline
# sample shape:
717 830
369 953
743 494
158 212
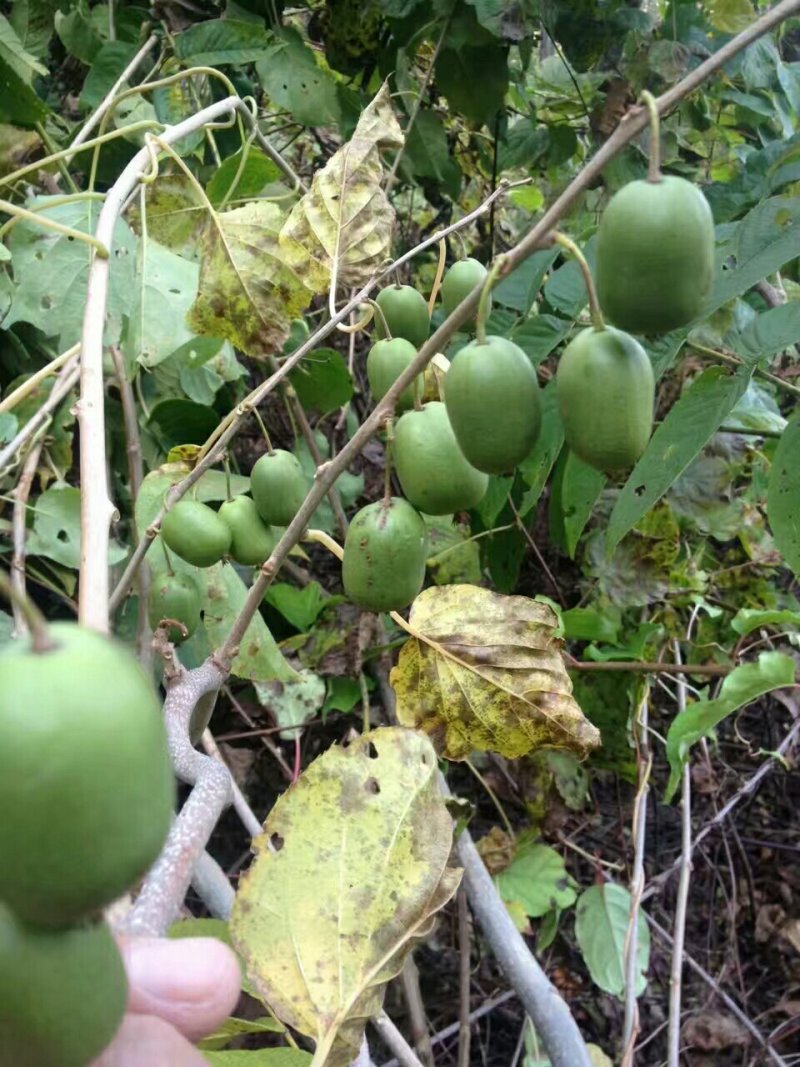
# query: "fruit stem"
594 305
226 463
483 303
387 463
654 168
167 557
40 635
437 281
321 538
263 428
387 333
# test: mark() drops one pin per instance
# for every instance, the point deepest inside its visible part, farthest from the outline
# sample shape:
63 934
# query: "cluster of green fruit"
87 795
443 452
655 260
246 529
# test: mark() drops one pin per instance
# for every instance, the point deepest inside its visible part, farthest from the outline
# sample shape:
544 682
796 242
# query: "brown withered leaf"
485 671
345 217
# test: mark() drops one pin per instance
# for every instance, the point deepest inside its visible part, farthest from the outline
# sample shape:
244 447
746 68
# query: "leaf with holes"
294 81
345 220
485 671
56 531
783 497
601 927
248 295
349 873
745 683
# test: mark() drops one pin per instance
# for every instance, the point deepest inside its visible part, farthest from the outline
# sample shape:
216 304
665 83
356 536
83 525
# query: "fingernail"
185 970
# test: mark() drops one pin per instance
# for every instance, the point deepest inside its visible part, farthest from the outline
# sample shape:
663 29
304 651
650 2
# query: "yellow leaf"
247 294
345 218
484 671
349 872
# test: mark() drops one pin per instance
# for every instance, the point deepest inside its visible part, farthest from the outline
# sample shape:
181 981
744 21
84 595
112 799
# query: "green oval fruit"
86 785
406 314
655 255
278 486
386 361
459 282
62 993
493 402
606 389
196 533
252 541
383 566
433 472
174 596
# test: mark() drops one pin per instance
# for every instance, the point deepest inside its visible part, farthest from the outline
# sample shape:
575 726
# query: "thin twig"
676 969
249 819
19 528
108 99
395 1040
409 977
712 670
464 979
31 383
535 549
67 381
750 786
644 760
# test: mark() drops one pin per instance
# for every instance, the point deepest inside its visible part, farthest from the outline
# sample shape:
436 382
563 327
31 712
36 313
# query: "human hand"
179 991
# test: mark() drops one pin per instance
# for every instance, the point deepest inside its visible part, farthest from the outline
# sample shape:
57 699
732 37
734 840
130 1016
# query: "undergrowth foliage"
563 585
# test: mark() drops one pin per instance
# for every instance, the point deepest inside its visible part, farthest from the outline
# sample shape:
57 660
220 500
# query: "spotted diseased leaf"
484 671
346 218
248 295
349 873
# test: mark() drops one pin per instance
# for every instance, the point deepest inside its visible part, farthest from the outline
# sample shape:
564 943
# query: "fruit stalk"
654 166
484 301
594 304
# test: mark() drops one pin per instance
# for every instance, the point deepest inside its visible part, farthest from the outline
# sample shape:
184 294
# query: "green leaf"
730 16
783 495
770 332
232 1027
581 487
519 288
535 468
13 54
537 879
291 704
295 81
453 556
18 101
747 619
265 1057
182 422
106 67
601 926
78 33
746 683
474 80
322 381
33 22
590 624
221 42
343 694
51 271
427 148
165 288
301 607
690 424
249 176
56 531
565 289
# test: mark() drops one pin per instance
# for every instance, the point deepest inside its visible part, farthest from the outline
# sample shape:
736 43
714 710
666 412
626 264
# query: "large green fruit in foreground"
493 402
655 255
278 486
196 533
383 567
62 993
86 784
252 541
433 472
406 314
606 388
459 282
386 361
174 596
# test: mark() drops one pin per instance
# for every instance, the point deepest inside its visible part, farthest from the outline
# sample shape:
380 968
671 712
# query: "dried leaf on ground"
350 871
712 1031
485 671
346 218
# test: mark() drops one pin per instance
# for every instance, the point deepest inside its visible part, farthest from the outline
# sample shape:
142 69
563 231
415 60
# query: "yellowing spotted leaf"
485 671
345 218
349 872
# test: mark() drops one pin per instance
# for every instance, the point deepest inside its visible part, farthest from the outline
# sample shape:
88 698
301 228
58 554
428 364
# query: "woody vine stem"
167 883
